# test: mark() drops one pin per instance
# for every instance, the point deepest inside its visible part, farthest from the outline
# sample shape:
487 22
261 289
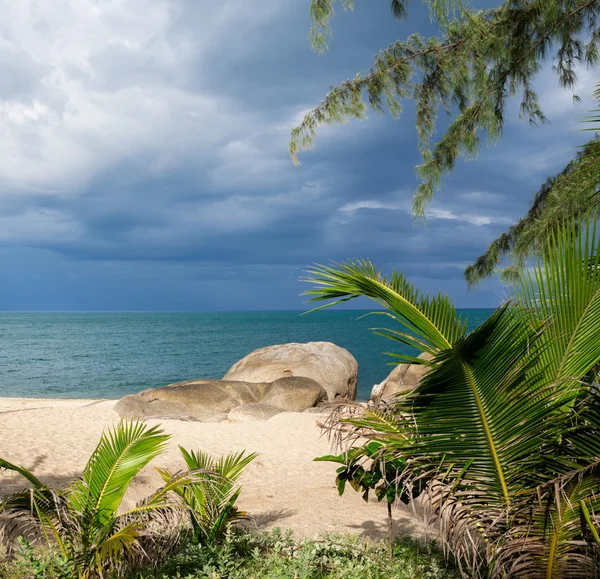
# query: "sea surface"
108 354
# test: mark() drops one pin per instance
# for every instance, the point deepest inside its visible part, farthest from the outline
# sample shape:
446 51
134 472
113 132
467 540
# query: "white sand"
283 487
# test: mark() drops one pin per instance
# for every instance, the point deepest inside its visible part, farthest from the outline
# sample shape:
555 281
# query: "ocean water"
108 355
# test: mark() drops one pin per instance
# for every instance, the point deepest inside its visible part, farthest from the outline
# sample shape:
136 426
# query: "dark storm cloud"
146 163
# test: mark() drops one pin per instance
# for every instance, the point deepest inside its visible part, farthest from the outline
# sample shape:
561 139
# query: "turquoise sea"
108 355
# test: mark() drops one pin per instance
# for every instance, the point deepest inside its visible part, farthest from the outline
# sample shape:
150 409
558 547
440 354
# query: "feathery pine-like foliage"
505 427
83 520
570 194
480 60
211 500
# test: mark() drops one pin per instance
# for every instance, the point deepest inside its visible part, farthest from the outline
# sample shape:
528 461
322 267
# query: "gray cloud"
145 160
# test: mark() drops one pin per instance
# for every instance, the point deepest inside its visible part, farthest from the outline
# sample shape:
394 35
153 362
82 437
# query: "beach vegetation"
572 193
269 555
211 500
369 468
88 531
83 520
504 429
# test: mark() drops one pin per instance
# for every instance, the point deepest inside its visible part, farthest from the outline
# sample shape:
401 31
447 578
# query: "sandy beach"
283 487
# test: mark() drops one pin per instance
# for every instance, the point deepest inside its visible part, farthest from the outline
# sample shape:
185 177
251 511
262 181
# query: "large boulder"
334 368
213 400
294 393
403 378
256 412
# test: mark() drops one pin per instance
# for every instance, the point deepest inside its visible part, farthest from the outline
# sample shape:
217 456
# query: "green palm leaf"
83 520
432 322
25 473
563 291
506 423
561 515
121 453
212 493
484 402
123 539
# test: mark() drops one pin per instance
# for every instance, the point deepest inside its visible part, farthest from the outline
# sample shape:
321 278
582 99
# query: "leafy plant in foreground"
277 555
83 520
211 499
506 424
367 468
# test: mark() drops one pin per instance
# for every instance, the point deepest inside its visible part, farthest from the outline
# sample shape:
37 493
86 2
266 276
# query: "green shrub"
34 563
275 555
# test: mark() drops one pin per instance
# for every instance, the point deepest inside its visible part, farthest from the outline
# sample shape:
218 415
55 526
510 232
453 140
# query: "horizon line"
197 311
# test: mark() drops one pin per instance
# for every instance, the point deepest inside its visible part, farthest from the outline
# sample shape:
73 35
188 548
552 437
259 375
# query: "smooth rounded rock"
403 378
254 412
334 368
213 400
203 400
294 393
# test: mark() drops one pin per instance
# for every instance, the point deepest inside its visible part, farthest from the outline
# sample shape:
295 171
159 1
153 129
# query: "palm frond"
554 538
25 473
121 453
432 322
210 493
484 401
563 291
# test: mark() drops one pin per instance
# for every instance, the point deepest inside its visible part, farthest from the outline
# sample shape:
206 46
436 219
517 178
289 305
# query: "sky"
144 161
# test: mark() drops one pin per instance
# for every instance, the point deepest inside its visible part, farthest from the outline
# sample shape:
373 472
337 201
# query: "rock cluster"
334 368
282 378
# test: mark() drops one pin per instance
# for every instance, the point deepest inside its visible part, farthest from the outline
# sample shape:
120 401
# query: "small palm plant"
83 519
505 426
211 499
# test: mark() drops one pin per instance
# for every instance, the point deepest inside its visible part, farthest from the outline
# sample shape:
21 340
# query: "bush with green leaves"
369 468
506 424
277 555
34 562
85 523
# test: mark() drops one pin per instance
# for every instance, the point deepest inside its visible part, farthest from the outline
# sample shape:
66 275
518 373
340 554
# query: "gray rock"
294 393
136 406
403 378
334 368
202 400
213 400
254 412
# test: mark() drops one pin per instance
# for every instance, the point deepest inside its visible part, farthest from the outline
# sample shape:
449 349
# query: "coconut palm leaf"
233 465
564 290
559 532
505 423
25 473
432 322
484 403
31 509
122 540
83 519
555 528
121 453
211 494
